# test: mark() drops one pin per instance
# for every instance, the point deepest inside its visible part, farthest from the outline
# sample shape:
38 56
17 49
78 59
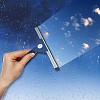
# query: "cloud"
71 43
97 10
62 29
56 18
46 34
85 46
67 34
62 48
67 24
97 41
72 17
76 25
90 20
87 21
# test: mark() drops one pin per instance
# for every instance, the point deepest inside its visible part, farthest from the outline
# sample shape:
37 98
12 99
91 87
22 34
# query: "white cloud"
67 24
97 41
62 29
62 48
72 17
82 50
85 46
68 34
90 19
43 25
71 43
97 10
87 21
46 34
56 18
76 25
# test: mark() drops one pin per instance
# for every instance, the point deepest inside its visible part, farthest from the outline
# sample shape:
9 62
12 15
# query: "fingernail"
32 54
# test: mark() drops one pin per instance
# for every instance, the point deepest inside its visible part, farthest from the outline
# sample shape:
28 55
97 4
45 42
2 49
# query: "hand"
12 67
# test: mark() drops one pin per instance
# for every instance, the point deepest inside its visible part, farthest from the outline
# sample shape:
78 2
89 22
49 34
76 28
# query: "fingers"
19 53
22 54
26 58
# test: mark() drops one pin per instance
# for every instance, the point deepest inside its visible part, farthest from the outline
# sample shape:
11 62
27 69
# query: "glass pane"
73 31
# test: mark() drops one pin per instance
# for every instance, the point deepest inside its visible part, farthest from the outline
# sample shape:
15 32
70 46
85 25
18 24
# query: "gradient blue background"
78 80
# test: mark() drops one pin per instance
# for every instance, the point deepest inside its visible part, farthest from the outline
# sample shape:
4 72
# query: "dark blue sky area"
19 17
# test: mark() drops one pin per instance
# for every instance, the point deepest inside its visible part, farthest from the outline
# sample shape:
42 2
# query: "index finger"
19 53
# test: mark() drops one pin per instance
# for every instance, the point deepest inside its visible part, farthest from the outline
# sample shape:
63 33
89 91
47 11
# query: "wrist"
3 82
3 86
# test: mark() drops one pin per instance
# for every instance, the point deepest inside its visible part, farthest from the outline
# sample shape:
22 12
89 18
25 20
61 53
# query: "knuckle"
6 55
20 51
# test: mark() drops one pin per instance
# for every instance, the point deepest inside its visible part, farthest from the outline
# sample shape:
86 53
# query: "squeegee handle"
31 51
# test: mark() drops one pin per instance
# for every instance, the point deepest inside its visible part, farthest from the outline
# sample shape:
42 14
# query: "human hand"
12 67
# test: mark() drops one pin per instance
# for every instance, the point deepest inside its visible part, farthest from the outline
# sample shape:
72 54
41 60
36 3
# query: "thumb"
26 58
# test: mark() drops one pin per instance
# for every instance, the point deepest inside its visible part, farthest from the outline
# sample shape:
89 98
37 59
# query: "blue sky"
79 79
73 31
